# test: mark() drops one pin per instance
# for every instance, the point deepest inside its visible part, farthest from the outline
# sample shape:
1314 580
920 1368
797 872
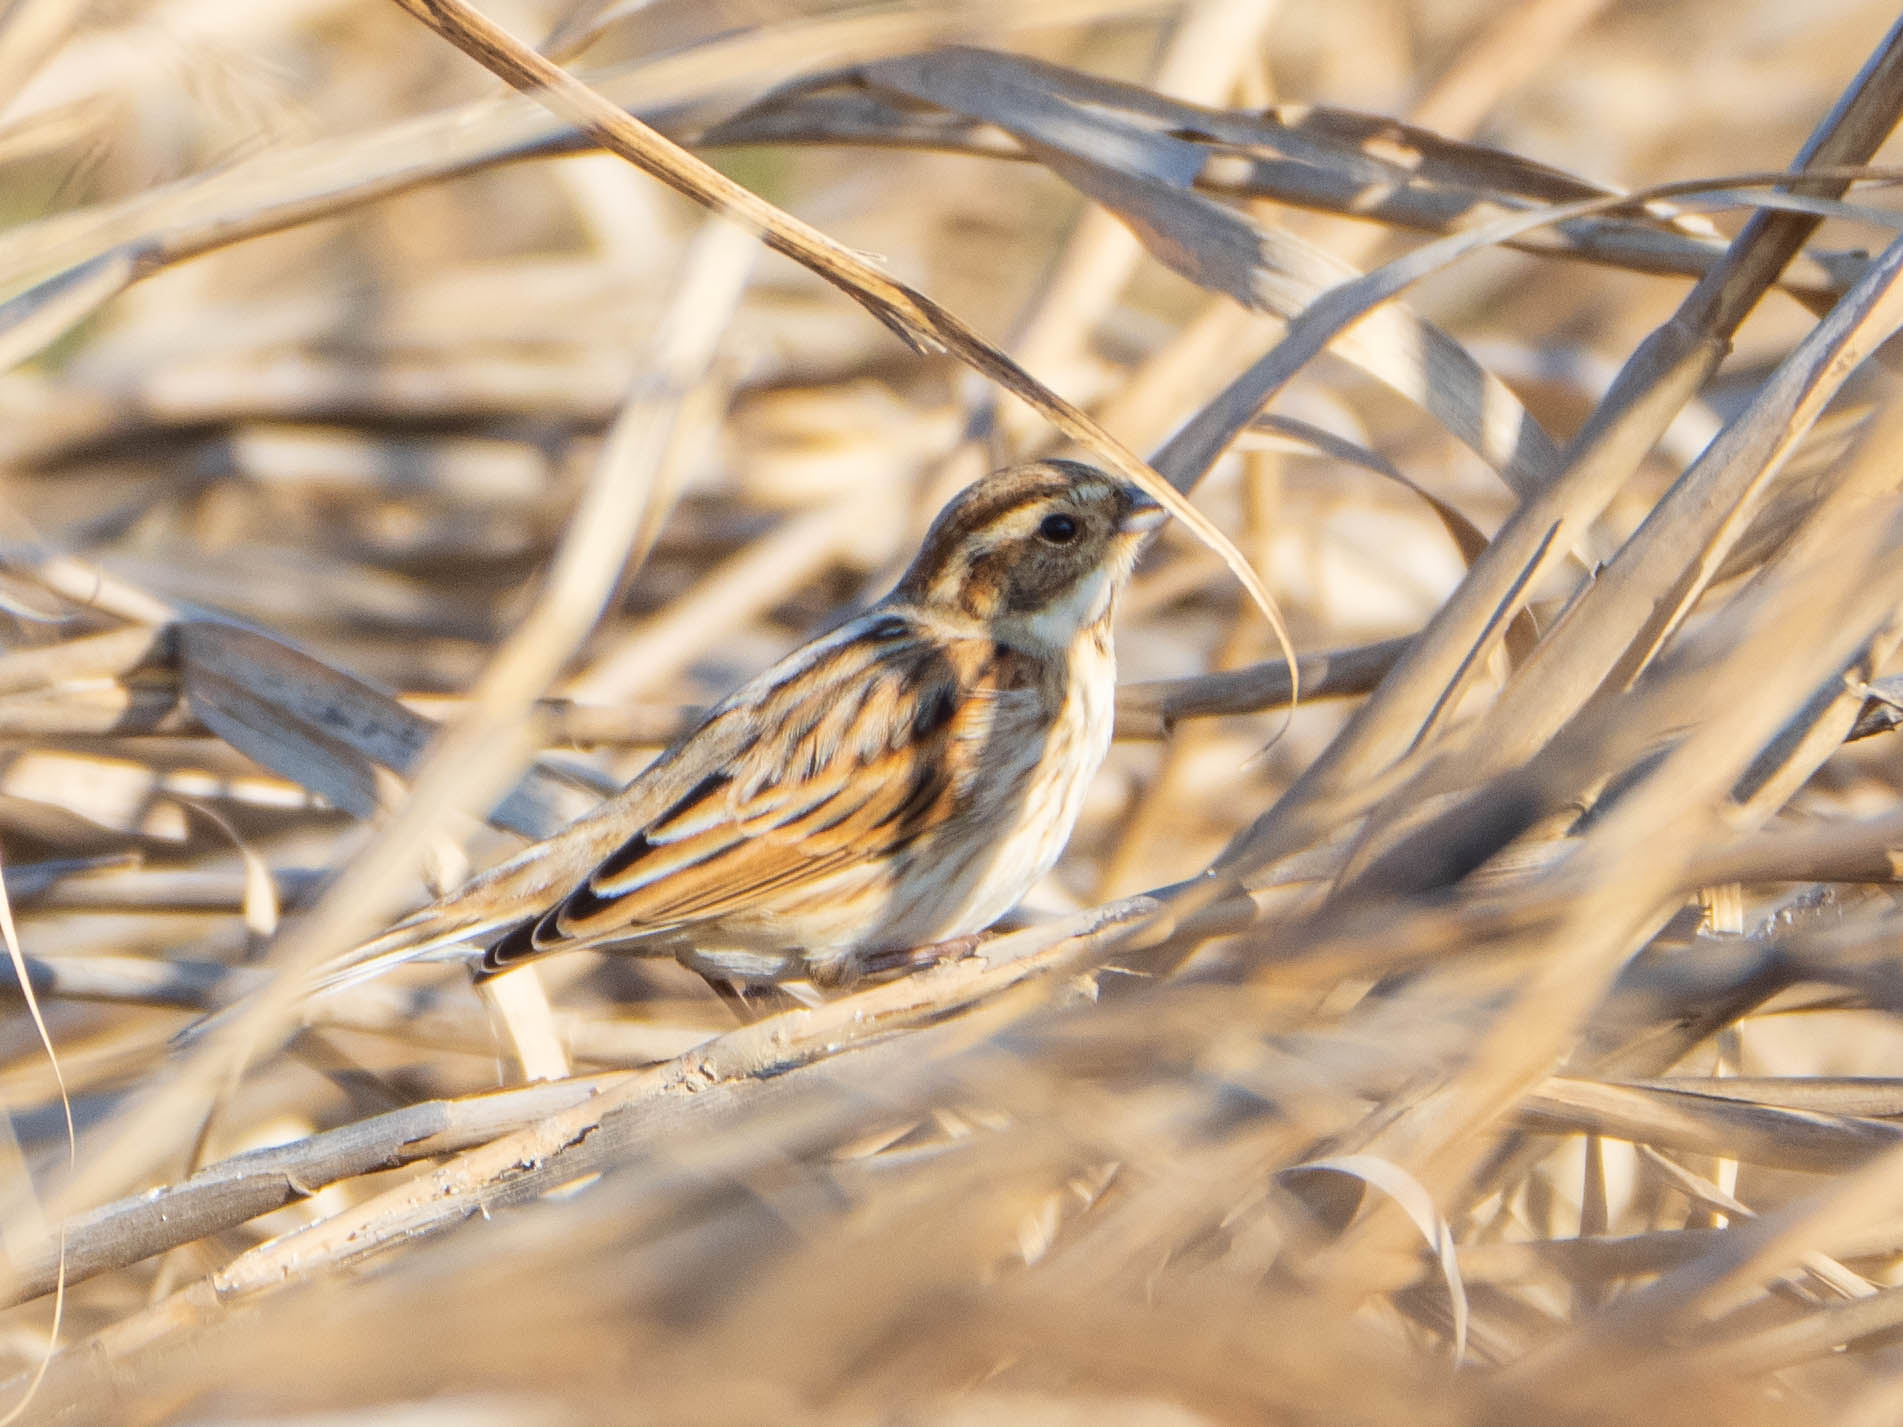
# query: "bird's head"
1036 552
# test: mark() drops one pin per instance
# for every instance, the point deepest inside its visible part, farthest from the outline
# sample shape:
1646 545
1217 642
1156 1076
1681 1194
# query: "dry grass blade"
390 472
1789 1139
1149 710
1146 179
134 239
1351 164
1650 391
35 319
908 313
1750 1254
331 733
1660 573
9 932
1597 928
480 753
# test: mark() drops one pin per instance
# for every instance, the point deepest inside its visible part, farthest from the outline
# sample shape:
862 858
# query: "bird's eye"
1058 529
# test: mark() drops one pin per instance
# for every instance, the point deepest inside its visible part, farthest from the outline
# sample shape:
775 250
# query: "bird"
899 782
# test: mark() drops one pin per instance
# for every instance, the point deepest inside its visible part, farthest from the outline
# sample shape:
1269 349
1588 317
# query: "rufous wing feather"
851 767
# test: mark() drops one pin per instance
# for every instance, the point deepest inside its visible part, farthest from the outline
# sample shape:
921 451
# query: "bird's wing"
846 753
458 925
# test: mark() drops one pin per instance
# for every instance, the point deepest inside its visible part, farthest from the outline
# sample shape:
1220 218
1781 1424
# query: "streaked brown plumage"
900 781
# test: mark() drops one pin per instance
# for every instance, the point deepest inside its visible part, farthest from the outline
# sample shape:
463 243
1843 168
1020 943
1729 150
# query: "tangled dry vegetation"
1514 1040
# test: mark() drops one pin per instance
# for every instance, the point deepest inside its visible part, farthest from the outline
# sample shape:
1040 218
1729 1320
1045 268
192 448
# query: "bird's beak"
1142 517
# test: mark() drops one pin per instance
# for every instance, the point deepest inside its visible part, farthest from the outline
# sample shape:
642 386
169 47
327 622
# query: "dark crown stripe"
978 508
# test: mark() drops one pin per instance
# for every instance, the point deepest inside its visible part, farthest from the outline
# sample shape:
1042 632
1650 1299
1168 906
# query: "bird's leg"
733 996
749 1001
879 963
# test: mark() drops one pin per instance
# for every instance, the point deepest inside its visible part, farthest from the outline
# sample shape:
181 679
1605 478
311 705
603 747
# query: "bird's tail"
459 926
435 933
426 935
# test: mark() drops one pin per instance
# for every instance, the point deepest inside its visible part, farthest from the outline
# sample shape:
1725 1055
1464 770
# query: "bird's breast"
1021 808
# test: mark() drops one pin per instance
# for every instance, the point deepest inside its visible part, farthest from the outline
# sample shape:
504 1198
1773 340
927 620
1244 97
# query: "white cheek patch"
1086 602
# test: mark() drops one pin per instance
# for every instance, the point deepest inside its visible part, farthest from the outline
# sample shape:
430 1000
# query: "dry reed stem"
908 313
1653 385
1082 1174
479 755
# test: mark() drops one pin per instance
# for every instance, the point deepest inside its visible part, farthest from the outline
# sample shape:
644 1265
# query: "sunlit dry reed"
390 477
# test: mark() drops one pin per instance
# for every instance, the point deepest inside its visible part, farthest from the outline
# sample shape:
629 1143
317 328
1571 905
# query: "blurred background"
317 333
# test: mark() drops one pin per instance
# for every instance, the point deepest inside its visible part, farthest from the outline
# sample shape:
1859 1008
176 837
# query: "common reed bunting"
899 782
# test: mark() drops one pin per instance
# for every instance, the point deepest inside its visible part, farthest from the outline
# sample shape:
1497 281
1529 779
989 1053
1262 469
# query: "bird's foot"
881 963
